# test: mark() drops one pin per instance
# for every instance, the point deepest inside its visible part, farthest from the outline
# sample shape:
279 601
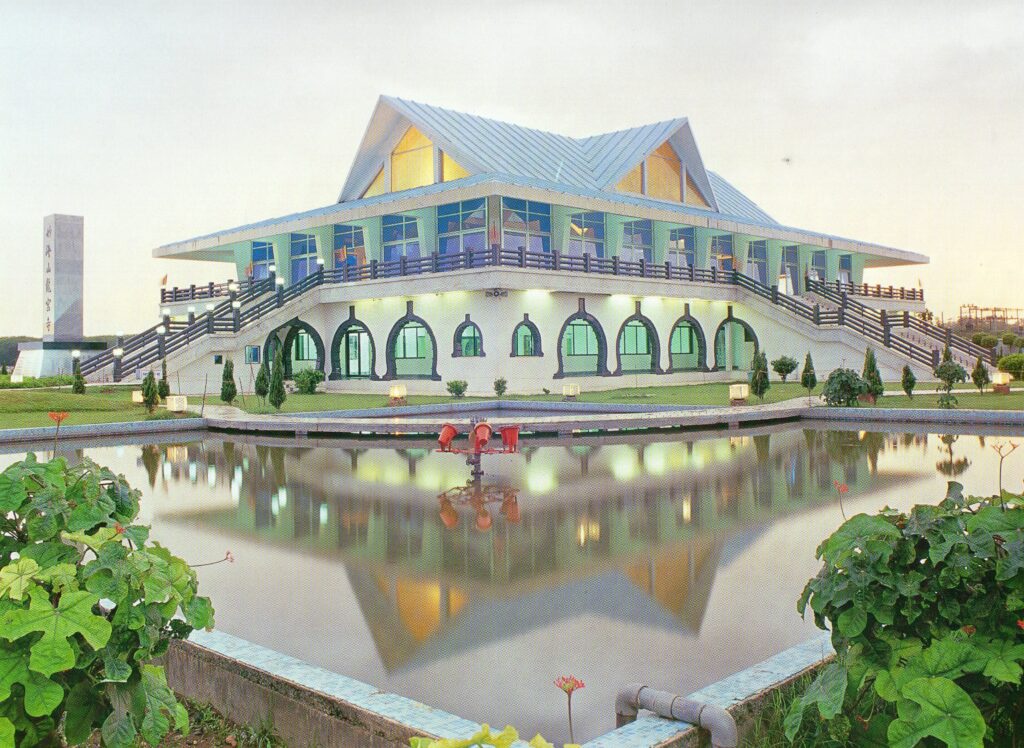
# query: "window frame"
534 212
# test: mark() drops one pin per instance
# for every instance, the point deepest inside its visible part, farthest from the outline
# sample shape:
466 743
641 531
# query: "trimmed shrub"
980 375
228 390
784 366
988 341
457 387
871 375
977 337
909 381
78 385
949 373
808 378
150 392
760 382
1018 342
277 395
307 380
163 386
262 385
500 385
1008 338
843 387
1013 364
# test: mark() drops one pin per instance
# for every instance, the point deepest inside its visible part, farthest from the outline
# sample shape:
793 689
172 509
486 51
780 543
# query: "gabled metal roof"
483 145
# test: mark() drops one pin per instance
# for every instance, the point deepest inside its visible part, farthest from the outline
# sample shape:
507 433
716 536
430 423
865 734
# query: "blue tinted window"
637 241
399 234
462 226
525 225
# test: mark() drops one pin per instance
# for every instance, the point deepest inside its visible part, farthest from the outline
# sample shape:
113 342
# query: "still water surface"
669 560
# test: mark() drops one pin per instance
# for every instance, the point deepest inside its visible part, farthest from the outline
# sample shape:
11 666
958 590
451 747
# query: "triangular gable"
388 124
615 155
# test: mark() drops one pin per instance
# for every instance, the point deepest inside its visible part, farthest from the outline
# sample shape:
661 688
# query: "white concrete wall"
326 308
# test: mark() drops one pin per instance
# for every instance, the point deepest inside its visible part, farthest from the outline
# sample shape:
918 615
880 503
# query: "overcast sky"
896 123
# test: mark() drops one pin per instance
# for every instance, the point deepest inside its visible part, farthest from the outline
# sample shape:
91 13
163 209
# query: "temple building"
461 247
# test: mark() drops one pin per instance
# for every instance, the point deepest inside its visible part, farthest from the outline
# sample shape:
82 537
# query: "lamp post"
271 273
279 282
161 331
191 314
118 352
236 315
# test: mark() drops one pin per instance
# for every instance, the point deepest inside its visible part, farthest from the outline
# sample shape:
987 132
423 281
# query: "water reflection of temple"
623 528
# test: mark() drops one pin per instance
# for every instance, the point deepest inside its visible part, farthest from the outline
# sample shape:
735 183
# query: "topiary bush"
925 609
1008 338
843 387
1018 342
307 380
784 366
908 381
977 337
86 604
78 383
949 373
500 386
1013 364
228 389
988 341
808 378
457 387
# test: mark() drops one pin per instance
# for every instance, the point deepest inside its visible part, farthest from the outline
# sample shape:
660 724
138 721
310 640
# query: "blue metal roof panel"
732 201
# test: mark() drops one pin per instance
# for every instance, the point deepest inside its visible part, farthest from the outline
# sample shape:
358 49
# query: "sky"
895 123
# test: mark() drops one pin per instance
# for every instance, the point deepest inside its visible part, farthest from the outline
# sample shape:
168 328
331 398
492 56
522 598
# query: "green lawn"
691 394
968 400
100 404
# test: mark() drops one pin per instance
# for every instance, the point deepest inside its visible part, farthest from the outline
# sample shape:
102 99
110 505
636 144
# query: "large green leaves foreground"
925 610
86 603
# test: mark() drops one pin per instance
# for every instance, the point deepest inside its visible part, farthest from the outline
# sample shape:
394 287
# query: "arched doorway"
353 354
735 345
303 347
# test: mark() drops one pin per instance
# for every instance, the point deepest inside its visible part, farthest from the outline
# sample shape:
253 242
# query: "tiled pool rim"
646 732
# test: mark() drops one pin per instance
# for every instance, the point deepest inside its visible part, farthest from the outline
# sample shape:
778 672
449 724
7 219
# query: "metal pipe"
712 718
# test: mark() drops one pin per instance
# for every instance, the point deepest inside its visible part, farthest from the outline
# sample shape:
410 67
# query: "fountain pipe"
712 718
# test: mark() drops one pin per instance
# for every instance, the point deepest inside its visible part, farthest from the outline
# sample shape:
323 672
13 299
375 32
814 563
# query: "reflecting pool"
672 560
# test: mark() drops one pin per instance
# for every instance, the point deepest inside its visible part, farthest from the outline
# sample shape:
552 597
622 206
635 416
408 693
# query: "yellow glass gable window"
632 182
412 161
451 169
377 186
664 174
693 196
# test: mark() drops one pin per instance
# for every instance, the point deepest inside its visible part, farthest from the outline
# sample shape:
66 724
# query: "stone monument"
63 253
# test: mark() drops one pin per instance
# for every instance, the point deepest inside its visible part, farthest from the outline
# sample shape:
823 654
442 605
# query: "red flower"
1020 623
840 487
58 415
118 528
968 629
569 683
229 557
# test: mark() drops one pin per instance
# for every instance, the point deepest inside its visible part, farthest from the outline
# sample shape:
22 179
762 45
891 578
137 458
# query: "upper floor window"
525 225
303 256
400 237
637 241
846 268
721 252
819 266
462 226
758 261
412 161
262 259
349 248
681 248
586 234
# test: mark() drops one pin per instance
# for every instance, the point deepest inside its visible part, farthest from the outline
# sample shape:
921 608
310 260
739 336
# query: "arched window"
470 342
352 350
638 347
411 342
526 339
300 344
580 349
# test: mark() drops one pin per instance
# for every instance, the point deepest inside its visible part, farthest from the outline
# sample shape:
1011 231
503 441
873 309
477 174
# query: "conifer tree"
759 380
808 379
871 374
150 392
277 395
228 390
163 386
980 375
262 386
78 385
909 381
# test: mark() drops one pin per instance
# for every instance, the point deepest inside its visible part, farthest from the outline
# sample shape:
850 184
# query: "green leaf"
1003 660
88 514
62 577
852 622
854 533
42 695
16 578
83 712
6 733
13 669
199 613
1011 565
116 670
73 615
828 691
95 541
12 490
938 708
160 703
118 730
50 554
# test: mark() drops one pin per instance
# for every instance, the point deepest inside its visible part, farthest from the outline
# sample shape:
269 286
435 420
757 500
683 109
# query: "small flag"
248 270
163 281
